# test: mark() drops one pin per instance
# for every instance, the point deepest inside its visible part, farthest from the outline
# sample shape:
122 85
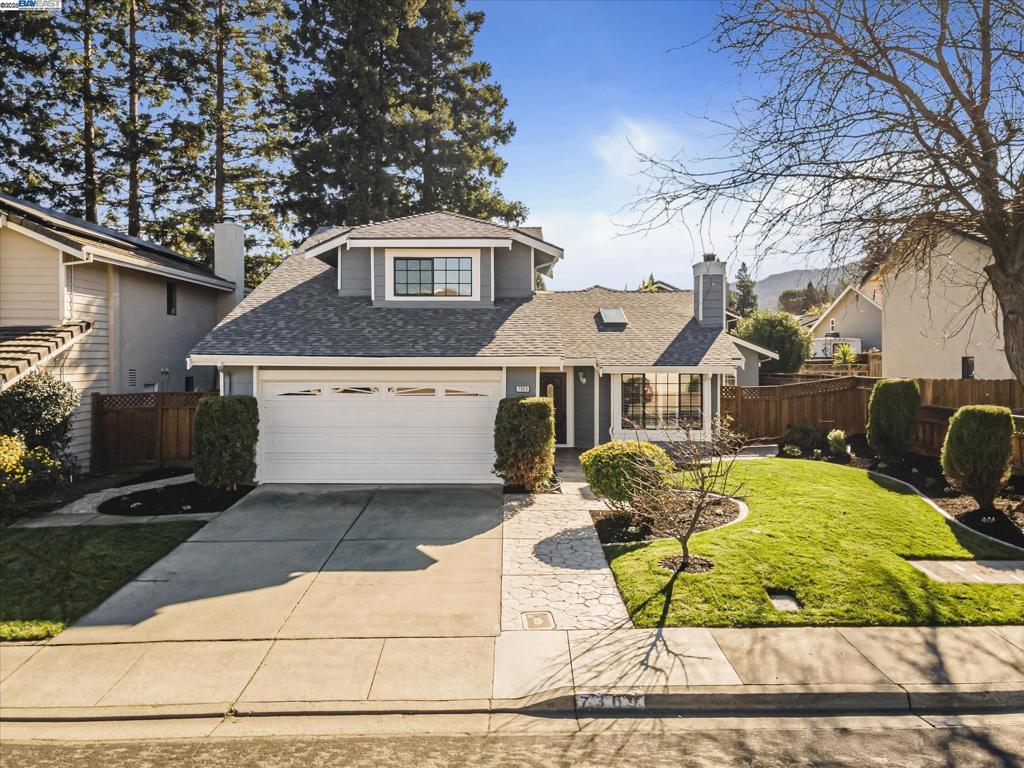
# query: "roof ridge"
622 290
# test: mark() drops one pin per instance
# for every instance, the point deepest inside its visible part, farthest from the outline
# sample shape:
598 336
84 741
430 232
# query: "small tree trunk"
1007 288
89 187
134 205
220 129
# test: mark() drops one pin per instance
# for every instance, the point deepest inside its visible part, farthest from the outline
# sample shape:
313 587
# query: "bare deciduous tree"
671 508
881 122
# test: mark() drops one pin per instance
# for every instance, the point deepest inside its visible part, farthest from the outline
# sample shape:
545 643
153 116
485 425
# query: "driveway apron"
316 561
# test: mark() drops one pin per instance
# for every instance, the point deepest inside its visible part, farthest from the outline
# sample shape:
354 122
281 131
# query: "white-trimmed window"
662 401
432 274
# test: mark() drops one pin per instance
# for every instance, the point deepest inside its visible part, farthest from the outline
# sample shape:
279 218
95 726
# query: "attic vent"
132 380
613 316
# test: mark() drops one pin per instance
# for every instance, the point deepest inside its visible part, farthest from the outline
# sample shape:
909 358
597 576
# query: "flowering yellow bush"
20 466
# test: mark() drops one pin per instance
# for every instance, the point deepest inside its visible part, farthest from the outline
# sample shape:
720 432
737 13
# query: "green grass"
51 576
831 535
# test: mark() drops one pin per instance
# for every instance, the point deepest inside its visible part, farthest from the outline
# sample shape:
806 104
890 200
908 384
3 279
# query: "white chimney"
710 291
229 261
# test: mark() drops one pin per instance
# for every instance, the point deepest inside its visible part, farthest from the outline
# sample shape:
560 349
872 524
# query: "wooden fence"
766 413
143 431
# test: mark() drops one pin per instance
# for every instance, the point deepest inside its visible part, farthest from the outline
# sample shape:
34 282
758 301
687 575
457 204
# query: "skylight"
613 316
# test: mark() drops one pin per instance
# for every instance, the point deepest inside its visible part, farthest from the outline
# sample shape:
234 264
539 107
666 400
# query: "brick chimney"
710 291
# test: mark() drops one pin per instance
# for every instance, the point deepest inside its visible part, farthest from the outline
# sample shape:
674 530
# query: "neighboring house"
107 312
942 320
854 318
378 353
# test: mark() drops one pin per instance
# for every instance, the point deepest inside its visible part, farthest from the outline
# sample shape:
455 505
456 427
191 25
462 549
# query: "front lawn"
51 576
833 537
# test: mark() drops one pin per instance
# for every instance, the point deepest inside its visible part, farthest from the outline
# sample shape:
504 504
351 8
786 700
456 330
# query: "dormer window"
432 274
439 276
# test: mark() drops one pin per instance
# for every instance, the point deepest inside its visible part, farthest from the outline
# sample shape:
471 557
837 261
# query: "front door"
553 385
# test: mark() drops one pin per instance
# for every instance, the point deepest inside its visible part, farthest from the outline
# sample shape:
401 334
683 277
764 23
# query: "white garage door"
349 426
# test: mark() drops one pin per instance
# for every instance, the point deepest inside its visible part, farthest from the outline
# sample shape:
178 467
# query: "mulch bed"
697 564
619 528
179 499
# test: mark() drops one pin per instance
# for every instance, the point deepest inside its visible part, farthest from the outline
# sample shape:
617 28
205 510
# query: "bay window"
662 400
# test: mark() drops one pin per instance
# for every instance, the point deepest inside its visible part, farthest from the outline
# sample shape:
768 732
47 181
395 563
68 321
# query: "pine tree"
223 152
344 86
743 300
452 116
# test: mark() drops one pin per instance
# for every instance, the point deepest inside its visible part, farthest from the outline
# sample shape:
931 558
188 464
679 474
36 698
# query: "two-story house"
104 311
378 353
939 319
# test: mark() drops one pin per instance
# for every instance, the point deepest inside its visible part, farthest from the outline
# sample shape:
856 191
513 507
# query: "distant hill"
769 288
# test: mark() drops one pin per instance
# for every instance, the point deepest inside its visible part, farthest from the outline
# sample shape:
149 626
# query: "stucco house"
378 353
107 312
940 320
854 318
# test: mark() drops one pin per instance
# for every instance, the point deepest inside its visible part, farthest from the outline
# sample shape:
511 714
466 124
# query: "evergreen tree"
743 299
452 116
345 83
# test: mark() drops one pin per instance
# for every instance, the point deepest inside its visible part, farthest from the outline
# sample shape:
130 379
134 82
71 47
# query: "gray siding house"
378 353
104 311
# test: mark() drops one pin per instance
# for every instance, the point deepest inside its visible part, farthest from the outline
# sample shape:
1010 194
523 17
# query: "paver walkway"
553 565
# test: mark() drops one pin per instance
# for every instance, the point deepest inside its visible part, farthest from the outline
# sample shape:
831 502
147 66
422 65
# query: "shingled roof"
297 312
435 225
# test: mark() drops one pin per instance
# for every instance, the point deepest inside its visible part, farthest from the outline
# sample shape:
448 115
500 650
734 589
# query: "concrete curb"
764 700
941 511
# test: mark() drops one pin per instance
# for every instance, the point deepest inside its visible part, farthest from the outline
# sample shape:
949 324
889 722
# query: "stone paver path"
552 560
973 571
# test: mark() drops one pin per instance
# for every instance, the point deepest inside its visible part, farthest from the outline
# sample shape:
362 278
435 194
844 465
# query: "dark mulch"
554 485
619 528
697 564
1005 523
151 475
179 499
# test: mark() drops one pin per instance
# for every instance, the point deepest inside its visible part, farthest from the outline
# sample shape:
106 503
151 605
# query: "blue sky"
583 79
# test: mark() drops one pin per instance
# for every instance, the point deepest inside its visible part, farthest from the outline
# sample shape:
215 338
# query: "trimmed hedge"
977 451
524 441
224 441
892 416
39 407
608 467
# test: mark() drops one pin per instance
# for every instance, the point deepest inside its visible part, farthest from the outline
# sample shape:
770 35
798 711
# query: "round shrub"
779 332
892 416
39 408
224 441
837 443
977 451
805 435
524 441
792 451
609 468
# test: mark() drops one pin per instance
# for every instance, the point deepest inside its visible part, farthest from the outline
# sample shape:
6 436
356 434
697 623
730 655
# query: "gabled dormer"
434 259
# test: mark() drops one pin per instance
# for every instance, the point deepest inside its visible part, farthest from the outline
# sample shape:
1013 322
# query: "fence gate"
143 431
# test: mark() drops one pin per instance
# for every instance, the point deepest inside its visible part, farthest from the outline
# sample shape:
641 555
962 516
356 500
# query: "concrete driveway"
313 561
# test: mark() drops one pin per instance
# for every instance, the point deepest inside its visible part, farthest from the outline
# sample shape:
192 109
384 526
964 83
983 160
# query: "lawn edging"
941 511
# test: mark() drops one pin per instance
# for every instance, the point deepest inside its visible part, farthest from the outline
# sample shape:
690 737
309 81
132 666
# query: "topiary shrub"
892 417
837 443
805 435
610 467
225 431
524 441
39 408
977 451
781 333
